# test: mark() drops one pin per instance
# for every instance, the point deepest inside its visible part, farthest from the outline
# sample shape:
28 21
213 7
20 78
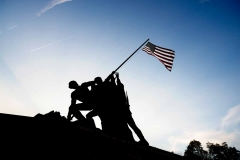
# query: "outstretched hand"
117 74
113 72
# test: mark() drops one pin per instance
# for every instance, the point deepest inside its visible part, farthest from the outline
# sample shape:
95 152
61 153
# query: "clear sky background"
45 44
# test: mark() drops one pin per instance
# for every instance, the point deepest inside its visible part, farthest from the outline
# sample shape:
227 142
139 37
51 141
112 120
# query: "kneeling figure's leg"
76 113
90 120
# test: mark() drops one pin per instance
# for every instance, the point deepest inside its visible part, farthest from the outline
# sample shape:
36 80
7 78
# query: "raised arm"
110 77
118 80
88 84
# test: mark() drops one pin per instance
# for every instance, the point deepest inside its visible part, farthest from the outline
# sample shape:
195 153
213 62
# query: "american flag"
164 55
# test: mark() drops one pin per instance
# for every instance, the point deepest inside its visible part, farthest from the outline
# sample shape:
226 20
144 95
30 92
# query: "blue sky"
45 44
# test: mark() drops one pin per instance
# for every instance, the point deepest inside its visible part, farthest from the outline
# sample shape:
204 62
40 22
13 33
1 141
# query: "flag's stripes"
165 49
166 64
169 68
147 49
164 55
164 60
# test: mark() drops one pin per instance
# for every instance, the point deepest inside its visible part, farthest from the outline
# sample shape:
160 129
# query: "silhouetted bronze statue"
107 100
81 93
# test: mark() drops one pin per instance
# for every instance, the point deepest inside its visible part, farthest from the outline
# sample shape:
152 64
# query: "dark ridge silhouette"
53 136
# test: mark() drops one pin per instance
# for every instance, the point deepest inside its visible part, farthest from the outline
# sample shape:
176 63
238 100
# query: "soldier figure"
81 93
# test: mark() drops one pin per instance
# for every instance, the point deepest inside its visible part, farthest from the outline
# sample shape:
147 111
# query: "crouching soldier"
82 94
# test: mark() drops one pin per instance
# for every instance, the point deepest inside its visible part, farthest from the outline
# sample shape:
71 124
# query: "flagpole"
131 55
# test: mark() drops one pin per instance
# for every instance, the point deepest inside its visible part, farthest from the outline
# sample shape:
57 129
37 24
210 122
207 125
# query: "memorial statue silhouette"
106 99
